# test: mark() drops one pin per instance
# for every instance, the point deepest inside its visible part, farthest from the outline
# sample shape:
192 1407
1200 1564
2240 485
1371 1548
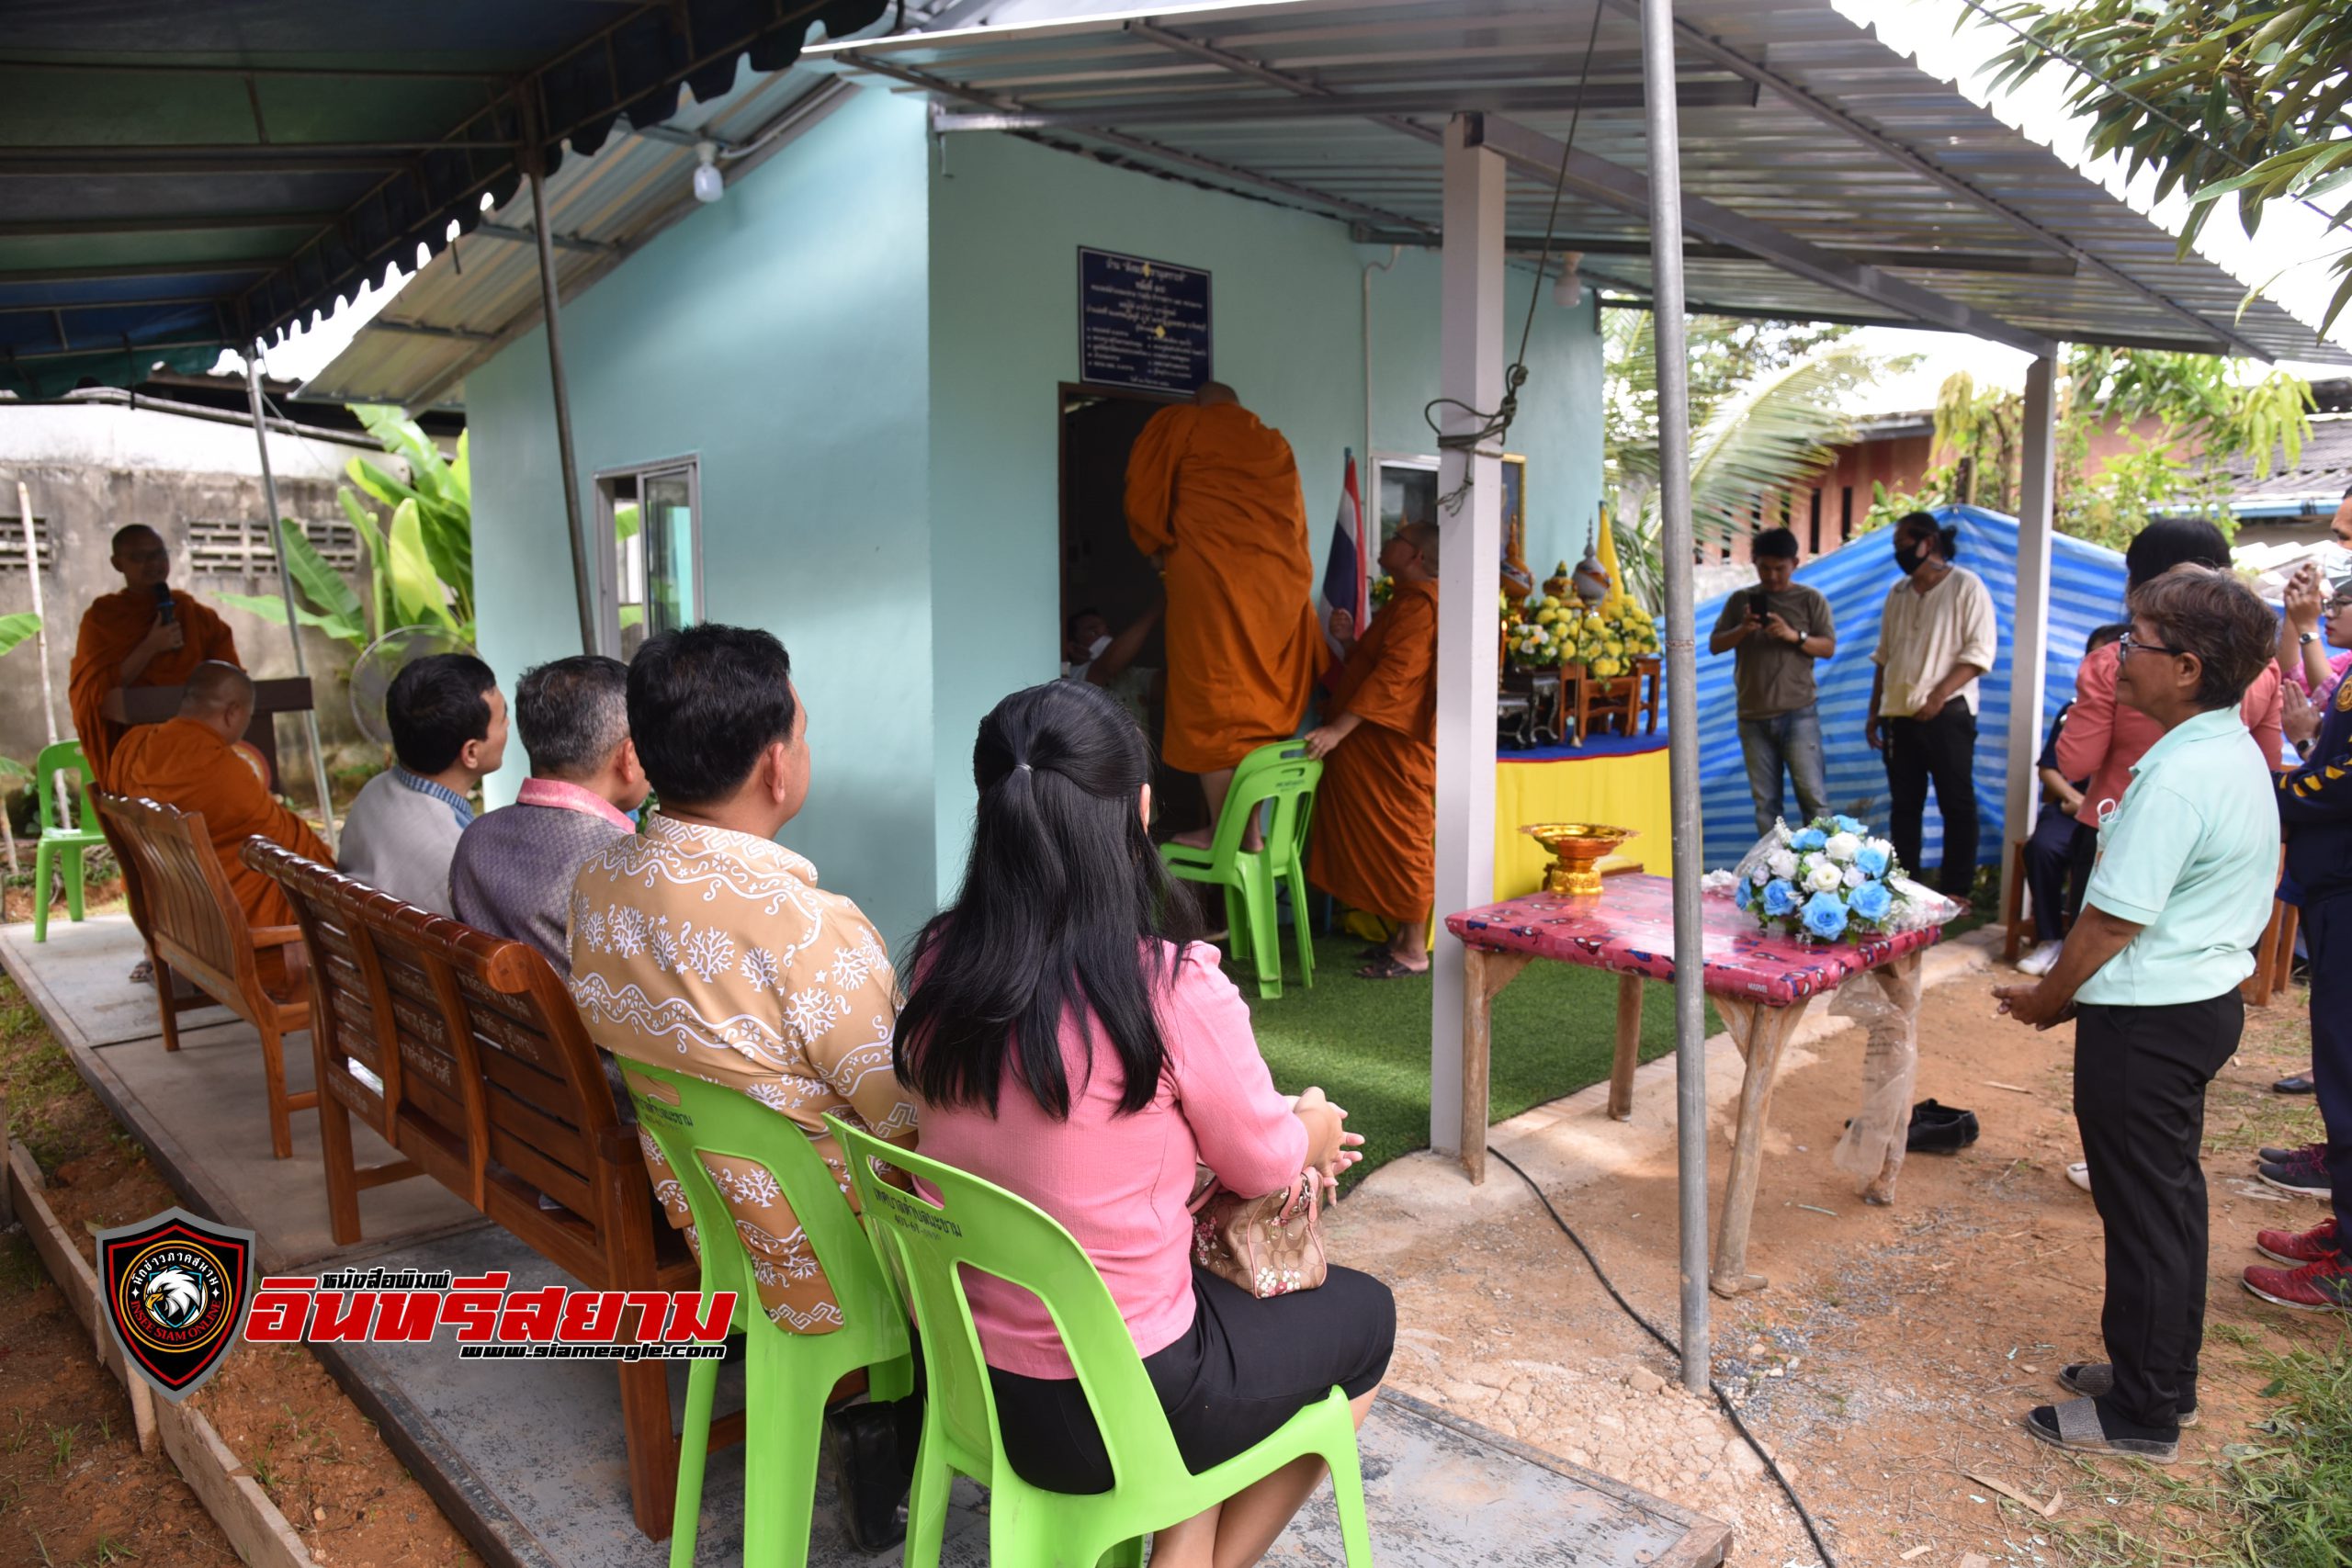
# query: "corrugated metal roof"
483 292
2313 484
1792 116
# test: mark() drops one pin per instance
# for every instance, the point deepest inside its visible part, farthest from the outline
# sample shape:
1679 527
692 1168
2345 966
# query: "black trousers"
1941 750
2058 860
2327 936
2140 1078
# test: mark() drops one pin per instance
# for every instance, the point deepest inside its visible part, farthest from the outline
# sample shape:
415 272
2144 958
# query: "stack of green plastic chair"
1287 776
787 1376
61 843
977 1225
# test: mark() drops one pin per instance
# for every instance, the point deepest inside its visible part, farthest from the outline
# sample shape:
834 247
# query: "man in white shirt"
1937 636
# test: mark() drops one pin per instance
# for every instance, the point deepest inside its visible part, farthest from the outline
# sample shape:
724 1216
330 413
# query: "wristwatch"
2305 639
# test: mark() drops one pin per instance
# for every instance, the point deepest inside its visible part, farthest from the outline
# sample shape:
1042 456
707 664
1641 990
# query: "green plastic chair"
1287 776
788 1375
61 842
977 1225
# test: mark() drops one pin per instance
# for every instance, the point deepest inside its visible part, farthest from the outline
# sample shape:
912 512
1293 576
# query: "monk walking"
1213 498
192 763
150 633
1374 846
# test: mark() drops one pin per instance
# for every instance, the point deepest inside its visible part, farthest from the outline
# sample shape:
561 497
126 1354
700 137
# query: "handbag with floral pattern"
1271 1246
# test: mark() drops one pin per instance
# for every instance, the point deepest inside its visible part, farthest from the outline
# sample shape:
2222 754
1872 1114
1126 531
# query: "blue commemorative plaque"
1141 323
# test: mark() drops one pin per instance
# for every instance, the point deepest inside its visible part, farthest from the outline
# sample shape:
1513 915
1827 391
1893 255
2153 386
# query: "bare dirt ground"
74 1489
1898 1349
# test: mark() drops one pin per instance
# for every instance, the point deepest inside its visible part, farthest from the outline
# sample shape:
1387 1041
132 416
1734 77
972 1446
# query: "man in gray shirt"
514 866
1774 632
448 725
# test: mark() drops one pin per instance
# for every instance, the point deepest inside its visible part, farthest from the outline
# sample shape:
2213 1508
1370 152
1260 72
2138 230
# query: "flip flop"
2091 1378
2075 1426
1387 968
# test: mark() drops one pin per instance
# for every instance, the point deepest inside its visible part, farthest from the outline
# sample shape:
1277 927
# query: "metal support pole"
40 637
541 221
1470 556
1681 678
2029 614
286 590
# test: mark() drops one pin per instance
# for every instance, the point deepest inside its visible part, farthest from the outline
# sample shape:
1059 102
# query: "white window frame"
608 587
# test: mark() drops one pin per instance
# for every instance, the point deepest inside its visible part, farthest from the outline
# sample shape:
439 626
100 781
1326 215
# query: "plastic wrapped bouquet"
1829 881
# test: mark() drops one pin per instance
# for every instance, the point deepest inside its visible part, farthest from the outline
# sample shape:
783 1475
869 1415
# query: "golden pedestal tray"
1578 849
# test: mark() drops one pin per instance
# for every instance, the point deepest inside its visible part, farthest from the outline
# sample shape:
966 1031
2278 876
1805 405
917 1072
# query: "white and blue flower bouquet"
1831 881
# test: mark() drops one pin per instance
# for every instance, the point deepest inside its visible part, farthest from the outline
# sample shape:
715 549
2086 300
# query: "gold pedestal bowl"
1576 849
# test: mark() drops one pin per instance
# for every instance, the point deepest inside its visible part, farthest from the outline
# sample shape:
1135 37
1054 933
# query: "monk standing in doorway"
1376 813
1213 498
149 634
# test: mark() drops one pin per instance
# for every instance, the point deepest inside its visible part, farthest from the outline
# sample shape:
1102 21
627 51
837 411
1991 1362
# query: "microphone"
166 611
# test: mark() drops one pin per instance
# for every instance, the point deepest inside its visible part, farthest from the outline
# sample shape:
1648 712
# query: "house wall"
91 467
1008 218
780 336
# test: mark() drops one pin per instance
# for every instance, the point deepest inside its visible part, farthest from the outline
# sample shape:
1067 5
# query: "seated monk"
191 762
1213 498
1374 843
148 635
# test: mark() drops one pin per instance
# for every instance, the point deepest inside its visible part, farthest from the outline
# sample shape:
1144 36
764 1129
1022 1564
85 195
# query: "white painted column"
2030 648
1470 555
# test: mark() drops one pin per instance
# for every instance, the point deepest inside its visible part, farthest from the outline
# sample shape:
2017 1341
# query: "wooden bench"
491 1086
182 902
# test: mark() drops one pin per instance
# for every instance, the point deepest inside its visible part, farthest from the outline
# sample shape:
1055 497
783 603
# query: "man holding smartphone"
1774 632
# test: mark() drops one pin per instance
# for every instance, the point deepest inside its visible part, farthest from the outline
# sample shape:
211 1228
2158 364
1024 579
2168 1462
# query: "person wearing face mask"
1093 654
1774 633
1937 637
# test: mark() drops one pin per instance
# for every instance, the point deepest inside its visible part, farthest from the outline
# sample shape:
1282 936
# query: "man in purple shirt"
513 870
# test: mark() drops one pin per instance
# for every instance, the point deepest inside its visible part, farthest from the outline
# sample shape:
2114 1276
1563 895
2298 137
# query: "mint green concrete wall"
1007 218
781 337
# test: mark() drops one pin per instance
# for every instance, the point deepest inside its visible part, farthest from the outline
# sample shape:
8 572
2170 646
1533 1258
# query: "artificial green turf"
1367 1042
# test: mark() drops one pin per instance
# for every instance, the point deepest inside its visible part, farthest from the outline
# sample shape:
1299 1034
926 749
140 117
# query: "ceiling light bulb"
709 184
1568 289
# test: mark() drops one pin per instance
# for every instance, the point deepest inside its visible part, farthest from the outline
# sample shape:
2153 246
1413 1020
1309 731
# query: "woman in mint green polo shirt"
2187 865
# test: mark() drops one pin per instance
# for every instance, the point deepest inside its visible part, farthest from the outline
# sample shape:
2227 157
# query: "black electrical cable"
1496 427
1812 1530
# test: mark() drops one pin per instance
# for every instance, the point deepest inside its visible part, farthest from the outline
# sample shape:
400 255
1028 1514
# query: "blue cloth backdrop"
2085 592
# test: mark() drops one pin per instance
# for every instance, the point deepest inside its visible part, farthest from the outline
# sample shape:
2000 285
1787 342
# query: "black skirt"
1227 1383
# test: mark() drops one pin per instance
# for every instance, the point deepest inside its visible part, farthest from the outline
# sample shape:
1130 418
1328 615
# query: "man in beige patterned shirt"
702 945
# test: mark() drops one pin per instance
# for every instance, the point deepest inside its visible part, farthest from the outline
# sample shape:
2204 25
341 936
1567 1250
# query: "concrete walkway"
527 1459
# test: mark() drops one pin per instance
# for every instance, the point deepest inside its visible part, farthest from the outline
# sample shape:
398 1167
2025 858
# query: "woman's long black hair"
1065 909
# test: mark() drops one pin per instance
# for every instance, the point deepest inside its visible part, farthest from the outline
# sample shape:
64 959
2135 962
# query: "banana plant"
420 563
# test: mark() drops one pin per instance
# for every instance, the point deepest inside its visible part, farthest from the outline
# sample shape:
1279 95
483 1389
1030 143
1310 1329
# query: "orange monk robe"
1374 843
1217 492
182 764
113 625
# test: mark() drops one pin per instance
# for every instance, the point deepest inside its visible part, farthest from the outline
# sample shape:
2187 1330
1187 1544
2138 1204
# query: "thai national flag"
1344 584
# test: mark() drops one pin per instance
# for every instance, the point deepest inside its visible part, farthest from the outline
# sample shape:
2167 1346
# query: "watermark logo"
175 1289
490 1320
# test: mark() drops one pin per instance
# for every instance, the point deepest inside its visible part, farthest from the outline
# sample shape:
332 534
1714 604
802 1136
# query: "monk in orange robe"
128 640
192 762
1213 497
1374 844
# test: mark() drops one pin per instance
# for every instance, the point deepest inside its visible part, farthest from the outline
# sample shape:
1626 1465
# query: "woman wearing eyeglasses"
2104 736
2149 975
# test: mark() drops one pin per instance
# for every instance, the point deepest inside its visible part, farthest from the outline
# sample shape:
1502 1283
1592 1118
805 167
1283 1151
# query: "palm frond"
1773 432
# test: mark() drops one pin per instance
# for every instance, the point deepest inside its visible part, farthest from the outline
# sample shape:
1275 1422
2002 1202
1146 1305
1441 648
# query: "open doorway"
1101 568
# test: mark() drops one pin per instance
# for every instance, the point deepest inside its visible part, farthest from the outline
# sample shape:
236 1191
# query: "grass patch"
1367 1042
2296 1495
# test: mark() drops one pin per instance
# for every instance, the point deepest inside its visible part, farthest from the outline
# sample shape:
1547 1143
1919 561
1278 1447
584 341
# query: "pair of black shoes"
1940 1129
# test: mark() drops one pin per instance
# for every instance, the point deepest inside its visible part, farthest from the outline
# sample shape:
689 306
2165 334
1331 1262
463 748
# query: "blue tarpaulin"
2085 592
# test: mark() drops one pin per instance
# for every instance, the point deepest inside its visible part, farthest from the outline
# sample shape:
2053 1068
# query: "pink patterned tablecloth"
1630 930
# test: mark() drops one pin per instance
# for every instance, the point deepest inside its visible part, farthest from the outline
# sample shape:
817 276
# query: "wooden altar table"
1761 984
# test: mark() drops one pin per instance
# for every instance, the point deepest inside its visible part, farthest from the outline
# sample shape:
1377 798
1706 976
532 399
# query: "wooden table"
1762 985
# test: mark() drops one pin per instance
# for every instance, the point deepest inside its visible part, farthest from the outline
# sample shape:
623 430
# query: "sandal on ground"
2091 1378
2075 1426
2079 1173
1386 968
143 973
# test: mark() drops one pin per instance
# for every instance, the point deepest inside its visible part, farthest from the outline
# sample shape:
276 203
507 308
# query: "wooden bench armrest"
276 936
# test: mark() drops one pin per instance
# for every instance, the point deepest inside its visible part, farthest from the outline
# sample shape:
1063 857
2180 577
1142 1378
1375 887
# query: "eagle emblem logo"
176 1290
